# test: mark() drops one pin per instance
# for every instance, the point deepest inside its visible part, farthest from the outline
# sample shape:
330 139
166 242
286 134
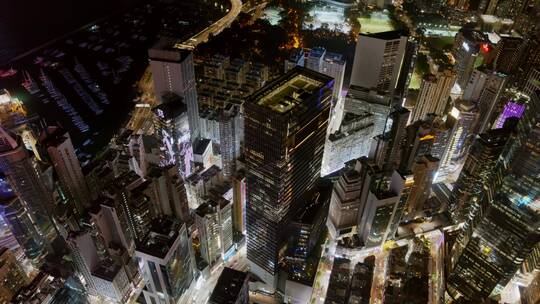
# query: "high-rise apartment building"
378 59
285 129
66 164
173 72
434 94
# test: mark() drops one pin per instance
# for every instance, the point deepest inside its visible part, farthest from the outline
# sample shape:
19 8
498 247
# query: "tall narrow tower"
285 129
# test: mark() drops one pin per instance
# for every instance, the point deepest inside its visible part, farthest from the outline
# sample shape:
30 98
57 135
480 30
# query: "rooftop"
106 271
229 286
168 49
163 233
390 35
289 90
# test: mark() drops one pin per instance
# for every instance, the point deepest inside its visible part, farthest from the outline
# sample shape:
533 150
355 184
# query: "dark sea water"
26 24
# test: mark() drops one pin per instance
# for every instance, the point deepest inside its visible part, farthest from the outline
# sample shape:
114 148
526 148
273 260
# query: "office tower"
434 94
112 282
507 54
468 46
504 230
377 61
418 141
113 225
85 258
168 192
475 84
214 224
285 127
12 276
231 288
60 149
239 202
135 207
21 226
172 129
297 57
423 173
449 145
380 215
24 178
345 200
229 138
306 228
173 71
395 136
166 261
350 141
468 116
478 171
487 103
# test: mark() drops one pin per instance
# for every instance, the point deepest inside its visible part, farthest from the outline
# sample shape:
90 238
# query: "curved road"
216 27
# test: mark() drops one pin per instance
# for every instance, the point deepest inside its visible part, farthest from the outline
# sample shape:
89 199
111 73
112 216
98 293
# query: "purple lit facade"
511 109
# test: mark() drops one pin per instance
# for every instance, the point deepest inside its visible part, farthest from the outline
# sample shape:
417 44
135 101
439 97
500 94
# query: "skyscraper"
21 226
12 276
489 98
477 172
66 164
24 178
285 129
434 94
231 288
377 60
382 212
347 196
166 261
468 45
229 138
214 223
423 173
504 230
173 71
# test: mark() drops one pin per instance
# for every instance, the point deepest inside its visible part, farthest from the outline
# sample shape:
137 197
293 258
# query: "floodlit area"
272 15
377 22
328 16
